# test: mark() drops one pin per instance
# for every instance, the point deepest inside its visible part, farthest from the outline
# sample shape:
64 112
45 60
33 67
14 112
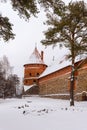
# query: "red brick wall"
58 73
81 83
31 72
56 82
59 82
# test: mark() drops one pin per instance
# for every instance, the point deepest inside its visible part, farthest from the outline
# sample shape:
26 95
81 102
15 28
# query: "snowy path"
36 113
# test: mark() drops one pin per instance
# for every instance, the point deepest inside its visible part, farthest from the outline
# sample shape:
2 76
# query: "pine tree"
70 30
25 9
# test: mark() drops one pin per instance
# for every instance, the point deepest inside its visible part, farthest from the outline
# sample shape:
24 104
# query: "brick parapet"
59 82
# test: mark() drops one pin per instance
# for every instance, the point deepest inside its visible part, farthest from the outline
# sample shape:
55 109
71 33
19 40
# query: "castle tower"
34 68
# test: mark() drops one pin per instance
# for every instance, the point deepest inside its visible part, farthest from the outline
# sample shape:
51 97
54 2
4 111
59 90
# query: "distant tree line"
8 81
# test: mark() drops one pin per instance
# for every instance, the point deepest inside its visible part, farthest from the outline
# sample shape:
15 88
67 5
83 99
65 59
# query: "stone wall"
81 82
59 83
55 85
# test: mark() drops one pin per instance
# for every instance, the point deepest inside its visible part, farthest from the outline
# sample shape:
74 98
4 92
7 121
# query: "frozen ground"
35 113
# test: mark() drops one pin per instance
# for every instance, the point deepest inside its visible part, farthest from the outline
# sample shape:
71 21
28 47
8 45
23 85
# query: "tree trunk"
72 87
72 79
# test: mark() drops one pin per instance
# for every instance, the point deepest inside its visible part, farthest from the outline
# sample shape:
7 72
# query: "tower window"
30 74
34 81
37 74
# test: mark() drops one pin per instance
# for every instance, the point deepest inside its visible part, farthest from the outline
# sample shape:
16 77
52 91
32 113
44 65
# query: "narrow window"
37 74
34 81
30 74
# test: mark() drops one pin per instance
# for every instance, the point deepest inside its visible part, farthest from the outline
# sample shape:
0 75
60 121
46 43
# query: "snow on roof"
60 65
27 87
55 67
35 57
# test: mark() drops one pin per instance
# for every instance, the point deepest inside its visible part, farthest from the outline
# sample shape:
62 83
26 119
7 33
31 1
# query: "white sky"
27 34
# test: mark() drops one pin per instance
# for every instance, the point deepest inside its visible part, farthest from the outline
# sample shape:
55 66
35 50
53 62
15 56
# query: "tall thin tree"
69 28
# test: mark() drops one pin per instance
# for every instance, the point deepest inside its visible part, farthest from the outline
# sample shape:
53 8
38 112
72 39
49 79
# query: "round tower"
34 68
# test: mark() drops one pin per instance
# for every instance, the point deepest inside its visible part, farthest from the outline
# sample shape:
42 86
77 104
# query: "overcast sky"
27 35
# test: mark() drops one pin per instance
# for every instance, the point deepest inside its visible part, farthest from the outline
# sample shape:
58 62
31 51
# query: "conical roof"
35 57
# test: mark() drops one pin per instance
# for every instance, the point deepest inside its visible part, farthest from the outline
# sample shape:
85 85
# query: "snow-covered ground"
35 113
